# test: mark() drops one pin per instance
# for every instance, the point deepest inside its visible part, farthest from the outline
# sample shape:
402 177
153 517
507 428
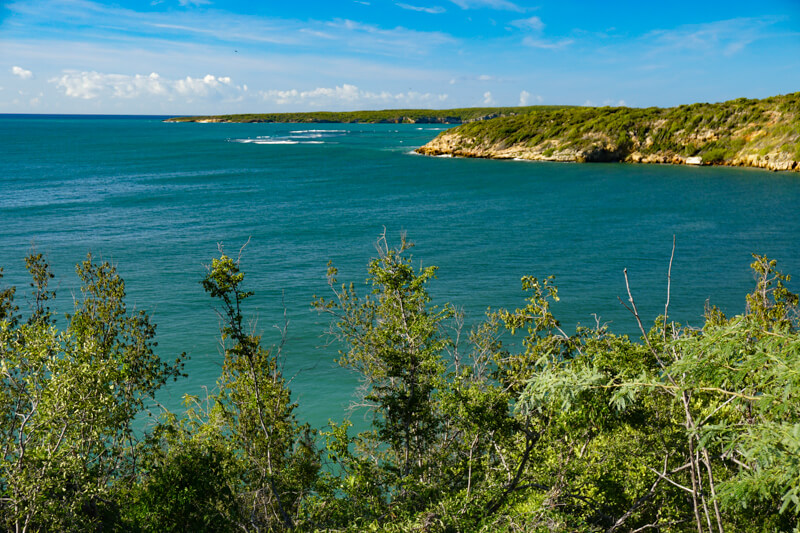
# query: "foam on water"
265 141
318 131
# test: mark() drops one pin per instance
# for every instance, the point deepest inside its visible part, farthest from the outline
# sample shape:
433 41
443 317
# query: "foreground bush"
681 430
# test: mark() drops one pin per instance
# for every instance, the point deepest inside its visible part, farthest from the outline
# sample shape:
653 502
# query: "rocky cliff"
755 133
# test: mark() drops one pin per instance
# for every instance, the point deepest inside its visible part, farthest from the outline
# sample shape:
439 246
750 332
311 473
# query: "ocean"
158 199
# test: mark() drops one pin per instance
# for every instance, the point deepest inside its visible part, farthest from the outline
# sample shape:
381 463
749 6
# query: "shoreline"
511 154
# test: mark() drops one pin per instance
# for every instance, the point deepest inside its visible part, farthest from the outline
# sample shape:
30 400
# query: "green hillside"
762 133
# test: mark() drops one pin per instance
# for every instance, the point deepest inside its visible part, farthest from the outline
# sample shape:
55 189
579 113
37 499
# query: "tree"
68 400
698 425
395 343
444 447
252 411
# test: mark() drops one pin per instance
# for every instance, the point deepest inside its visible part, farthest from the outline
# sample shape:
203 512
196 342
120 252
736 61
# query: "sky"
173 57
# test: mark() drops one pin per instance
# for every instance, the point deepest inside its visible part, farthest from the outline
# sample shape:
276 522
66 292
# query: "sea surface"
158 199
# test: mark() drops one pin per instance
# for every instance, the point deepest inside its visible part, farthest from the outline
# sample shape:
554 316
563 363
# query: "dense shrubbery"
715 132
683 430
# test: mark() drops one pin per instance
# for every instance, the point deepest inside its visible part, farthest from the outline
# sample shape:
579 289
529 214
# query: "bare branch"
669 285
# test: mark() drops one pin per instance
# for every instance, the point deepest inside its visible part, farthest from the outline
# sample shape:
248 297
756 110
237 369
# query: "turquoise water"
156 199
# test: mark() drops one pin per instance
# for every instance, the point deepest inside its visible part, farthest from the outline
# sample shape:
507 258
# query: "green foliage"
396 346
186 487
723 402
681 430
442 425
253 415
714 155
68 401
718 132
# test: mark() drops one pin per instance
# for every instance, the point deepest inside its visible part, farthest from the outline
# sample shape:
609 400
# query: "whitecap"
318 131
309 136
261 140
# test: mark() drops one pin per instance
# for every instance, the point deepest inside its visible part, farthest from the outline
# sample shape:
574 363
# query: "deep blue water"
157 198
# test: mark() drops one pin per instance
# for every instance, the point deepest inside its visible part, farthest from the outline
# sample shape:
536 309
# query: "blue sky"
234 56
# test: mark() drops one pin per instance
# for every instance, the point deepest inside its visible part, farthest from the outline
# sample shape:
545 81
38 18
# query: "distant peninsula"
754 133
387 116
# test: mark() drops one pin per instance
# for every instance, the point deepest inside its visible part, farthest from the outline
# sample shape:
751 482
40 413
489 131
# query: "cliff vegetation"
757 133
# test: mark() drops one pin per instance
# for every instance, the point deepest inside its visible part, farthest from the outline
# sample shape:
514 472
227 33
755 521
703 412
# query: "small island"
754 133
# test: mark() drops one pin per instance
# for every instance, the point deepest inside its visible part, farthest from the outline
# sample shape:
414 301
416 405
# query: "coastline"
761 133
453 145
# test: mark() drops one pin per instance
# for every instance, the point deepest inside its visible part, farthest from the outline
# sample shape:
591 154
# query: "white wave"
274 140
309 136
318 131
265 141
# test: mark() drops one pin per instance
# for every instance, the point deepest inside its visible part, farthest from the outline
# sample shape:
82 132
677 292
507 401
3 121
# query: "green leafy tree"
689 430
395 343
253 413
68 400
444 450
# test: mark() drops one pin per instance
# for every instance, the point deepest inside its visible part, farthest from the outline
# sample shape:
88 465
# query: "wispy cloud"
487 98
349 95
532 23
432 10
21 72
725 37
397 41
545 44
72 17
194 2
91 85
503 5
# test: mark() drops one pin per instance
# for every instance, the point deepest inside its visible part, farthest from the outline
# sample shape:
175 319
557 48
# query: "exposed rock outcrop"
752 133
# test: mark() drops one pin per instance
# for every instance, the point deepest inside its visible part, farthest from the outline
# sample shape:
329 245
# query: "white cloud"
504 5
532 23
526 98
21 72
547 45
193 2
90 85
487 98
484 77
432 10
350 96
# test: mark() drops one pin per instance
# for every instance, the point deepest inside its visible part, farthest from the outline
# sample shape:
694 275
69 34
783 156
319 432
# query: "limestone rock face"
453 144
